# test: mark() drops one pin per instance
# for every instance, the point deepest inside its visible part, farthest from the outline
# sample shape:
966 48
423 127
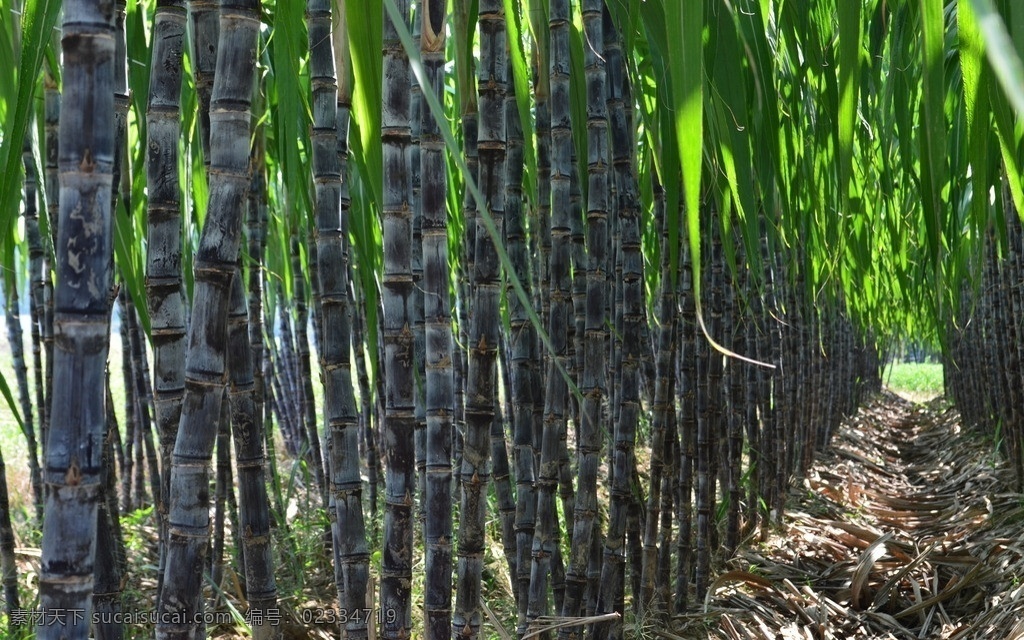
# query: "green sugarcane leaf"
1002 97
38 21
365 31
128 256
824 190
6 391
9 272
464 19
933 118
849 73
1016 26
905 87
751 18
684 23
971 49
8 60
53 58
685 29
367 247
140 54
537 12
291 113
735 145
673 193
1009 143
1003 52
40 169
657 85
976 94
521 78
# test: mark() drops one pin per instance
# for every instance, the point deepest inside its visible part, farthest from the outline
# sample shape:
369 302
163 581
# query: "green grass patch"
916 381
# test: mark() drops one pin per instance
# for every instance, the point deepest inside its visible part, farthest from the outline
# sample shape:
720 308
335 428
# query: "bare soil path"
908 526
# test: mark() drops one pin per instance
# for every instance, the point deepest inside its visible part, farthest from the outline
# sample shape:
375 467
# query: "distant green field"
915 381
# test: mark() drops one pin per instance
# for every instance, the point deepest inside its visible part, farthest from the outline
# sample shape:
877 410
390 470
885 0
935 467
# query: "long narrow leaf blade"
39 20
685 25
1002 54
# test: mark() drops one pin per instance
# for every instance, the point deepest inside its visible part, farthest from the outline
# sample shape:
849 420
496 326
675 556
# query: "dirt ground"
908 526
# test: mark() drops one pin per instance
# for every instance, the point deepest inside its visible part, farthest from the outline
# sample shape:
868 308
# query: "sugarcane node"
87 165
73 476
434 19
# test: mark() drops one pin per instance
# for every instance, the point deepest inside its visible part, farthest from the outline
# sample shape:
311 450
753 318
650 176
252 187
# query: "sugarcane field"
511 319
